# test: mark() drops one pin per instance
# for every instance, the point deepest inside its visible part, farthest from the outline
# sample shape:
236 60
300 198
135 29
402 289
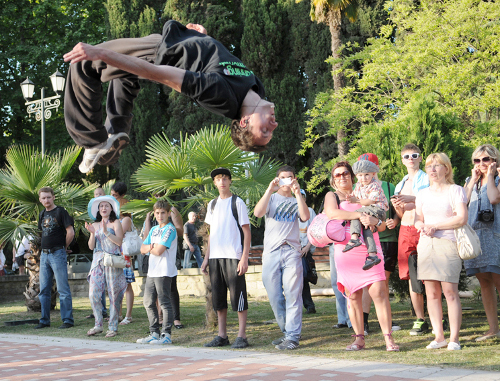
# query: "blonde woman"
483 193
440 209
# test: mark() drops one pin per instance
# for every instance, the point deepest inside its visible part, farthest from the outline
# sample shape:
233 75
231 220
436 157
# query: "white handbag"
131 244
468 244
112 260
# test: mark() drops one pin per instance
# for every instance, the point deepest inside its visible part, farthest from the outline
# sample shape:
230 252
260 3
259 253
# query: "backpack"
235 214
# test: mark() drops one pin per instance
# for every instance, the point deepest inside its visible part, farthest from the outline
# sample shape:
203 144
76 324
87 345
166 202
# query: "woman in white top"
439 210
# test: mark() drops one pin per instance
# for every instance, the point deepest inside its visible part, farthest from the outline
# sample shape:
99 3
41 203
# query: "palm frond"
214 148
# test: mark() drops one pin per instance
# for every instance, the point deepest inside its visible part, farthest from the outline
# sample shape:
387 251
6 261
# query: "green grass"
318 337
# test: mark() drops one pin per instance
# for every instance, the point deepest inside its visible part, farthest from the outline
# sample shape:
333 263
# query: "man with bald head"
190 244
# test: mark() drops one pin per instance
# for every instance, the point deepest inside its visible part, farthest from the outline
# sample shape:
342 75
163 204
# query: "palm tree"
25 172
180 169
330 12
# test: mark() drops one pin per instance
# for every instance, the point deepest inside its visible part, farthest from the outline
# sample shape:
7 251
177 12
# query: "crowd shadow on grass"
318 336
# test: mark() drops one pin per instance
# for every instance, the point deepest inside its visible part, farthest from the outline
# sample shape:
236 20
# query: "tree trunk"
334 23
33 286
210 315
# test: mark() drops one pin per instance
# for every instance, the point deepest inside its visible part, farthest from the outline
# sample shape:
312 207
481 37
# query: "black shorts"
223 275
390 250
20 260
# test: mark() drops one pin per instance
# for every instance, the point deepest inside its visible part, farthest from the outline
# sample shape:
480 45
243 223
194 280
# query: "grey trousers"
83 95
357 227
158 288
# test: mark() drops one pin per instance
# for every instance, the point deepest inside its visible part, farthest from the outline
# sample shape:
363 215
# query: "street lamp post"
41 108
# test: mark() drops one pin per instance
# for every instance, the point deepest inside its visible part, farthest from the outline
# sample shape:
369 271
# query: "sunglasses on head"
410 155
343 174
486 159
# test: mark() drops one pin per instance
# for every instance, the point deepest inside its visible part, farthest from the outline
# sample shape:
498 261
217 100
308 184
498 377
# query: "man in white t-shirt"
227 257
161 244
282 272
19 251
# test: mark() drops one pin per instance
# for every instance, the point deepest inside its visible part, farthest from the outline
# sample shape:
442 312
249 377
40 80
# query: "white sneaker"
164 339
396 327
147 340
114 144
435 345
452 346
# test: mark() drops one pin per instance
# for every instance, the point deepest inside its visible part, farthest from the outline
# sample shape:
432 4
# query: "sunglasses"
486 159
343 174
410 155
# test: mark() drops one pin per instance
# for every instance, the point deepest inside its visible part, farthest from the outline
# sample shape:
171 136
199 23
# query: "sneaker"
66 325
164 339
287 345
420 327
278 341
452 346
435 345
352 244
41 325
218 342
240 343
445 326
371 260
115 151
147 340
366 329
395 327
340 325
92 155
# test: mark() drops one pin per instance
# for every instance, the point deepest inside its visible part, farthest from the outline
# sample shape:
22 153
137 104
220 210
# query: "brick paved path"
55 359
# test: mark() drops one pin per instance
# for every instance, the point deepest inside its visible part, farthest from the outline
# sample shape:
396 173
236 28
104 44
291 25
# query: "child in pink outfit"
368 193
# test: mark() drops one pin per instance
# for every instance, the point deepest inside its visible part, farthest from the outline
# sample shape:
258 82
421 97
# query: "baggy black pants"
83 95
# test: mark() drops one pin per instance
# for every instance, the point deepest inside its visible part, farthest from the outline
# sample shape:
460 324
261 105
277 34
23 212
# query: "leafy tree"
446 86
35 35
24 174
330 12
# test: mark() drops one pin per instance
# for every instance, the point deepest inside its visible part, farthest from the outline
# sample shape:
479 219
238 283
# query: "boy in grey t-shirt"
282 272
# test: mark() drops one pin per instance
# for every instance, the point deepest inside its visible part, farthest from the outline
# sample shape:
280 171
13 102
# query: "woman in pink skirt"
351 279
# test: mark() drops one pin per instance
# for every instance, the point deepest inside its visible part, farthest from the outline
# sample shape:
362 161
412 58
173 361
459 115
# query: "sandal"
94 331
111 333
127 320
352 244
391 347
356 347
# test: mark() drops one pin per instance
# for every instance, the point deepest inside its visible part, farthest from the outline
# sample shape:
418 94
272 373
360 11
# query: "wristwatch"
379 223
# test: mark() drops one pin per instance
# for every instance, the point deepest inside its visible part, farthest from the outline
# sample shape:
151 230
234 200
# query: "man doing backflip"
183 58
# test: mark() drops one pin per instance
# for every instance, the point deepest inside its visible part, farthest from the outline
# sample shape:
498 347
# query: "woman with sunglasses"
483 195
439 209
351 278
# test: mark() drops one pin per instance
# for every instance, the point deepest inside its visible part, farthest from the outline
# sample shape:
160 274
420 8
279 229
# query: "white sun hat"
93 206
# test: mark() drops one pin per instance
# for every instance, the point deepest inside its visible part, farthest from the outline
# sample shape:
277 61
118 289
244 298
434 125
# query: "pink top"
438 207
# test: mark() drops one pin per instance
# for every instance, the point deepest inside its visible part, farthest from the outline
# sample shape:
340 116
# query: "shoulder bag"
112 260
317 231
131 244
468 244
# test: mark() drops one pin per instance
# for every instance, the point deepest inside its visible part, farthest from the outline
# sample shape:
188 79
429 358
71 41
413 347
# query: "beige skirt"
438 260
